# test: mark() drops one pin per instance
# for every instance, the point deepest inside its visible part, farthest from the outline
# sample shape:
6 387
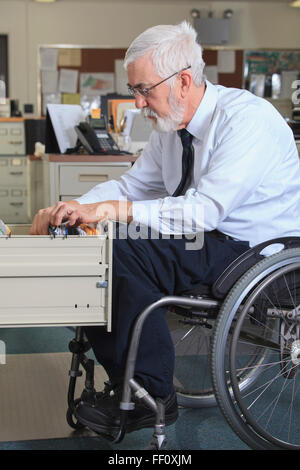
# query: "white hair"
173 47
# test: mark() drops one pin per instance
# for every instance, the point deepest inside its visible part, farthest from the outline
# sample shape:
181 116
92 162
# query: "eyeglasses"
132 90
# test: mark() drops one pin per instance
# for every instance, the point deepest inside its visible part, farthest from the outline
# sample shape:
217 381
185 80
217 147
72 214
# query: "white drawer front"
55 281
77 179
13 171
12 138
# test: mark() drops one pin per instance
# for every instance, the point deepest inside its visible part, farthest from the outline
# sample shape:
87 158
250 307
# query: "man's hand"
41 221
76 214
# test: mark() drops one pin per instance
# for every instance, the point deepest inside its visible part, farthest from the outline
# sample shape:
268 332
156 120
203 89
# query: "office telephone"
95 138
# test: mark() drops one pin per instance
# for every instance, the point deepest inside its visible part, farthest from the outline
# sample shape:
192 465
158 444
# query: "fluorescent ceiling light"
295 3
45 1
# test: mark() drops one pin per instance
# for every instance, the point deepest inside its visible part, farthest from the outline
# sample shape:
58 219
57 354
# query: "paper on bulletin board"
95 84
68 80
48 58
71 98
69 57
49 81
226 61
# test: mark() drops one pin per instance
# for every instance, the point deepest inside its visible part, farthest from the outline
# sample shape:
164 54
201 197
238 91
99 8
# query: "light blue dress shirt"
246 179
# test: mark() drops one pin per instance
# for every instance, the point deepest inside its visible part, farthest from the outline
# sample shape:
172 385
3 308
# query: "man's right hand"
41 221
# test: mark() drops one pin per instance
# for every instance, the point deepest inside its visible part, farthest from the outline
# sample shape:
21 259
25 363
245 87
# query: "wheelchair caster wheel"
73 423
155 445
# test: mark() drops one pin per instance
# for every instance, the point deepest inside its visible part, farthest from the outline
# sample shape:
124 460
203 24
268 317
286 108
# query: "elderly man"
220 161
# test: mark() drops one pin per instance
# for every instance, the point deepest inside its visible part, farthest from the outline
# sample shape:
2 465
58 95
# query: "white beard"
170 122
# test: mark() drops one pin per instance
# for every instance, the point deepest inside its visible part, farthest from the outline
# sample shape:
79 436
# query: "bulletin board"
91 66
94 66
269 62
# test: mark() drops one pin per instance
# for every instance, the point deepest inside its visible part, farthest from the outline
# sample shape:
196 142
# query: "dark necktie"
187 162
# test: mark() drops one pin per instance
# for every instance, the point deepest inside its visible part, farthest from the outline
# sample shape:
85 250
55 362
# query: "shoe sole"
131 427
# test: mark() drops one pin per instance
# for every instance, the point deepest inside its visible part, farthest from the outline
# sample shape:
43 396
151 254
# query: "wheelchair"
237 345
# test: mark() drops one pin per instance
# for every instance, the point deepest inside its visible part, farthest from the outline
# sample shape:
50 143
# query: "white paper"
95 84
64 118
121 78
121 109
129 118
49 81
68 79
226 61
211 72
48 58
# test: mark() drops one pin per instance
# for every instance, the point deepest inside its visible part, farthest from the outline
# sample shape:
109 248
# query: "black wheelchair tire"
241 289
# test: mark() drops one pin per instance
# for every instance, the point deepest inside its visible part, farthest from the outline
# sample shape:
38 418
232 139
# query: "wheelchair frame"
248 272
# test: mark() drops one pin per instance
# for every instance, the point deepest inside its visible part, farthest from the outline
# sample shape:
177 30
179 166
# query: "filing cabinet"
13 189
13 172
12 137
67 178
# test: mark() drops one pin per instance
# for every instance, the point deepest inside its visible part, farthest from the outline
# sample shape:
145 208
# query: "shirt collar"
204 113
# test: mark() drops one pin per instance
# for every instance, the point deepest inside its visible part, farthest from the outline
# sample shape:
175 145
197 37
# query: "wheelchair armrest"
244 262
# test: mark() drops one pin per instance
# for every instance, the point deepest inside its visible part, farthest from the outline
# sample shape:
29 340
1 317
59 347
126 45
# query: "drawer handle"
92 178
16 204
15 142
16 173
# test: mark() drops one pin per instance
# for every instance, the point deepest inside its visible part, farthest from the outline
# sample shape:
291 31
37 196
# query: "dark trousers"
145 270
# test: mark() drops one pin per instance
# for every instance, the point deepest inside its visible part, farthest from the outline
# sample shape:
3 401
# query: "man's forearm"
120 211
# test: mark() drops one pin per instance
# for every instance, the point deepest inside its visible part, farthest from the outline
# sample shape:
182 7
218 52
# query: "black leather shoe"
104 417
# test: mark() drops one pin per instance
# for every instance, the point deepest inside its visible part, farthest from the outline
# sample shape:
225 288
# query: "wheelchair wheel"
261 312
192 337
191 341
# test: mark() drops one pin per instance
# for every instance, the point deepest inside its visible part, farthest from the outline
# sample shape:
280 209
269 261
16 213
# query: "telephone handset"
95 138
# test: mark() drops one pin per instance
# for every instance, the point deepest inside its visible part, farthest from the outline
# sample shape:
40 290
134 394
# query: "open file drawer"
48 281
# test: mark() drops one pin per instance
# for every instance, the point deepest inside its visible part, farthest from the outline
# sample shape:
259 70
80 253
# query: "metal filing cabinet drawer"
76 179
13 204
12 138
55 281
13 171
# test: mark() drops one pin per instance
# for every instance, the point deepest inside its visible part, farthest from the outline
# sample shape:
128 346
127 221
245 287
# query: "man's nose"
140 101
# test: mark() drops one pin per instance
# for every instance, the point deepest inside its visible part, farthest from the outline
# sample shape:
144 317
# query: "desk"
63 177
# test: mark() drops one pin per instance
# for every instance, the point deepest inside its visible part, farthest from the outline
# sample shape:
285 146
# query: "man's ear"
185 83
